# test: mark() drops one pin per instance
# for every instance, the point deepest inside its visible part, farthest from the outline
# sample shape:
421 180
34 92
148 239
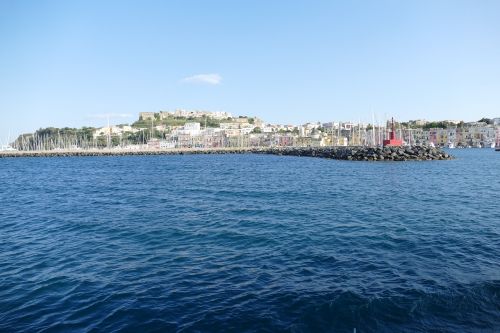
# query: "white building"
227 126
166 144
192 127
199 113
189 129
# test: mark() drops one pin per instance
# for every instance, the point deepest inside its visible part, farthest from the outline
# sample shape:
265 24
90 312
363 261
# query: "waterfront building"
424 139
497 139
153 144
184 140
441 137
164 144
465 137
283 140
212 138
303 141
343 141
433 136
160 144
487 136
452 135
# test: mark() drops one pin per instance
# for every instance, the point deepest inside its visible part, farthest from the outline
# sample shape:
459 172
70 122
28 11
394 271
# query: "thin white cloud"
110 115
212 79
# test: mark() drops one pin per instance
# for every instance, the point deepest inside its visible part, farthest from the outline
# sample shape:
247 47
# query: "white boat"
7 148
451 145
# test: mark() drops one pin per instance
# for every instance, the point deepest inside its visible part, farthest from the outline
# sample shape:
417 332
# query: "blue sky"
64 63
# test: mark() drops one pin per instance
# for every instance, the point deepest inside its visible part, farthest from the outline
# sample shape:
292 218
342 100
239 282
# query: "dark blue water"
247 243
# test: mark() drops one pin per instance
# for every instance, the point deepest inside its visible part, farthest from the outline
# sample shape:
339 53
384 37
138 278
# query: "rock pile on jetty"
420 153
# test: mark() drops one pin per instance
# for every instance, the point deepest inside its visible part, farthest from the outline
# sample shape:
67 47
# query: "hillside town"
205 129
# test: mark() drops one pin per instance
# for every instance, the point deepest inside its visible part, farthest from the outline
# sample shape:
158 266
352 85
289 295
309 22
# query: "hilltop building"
147 115
181 113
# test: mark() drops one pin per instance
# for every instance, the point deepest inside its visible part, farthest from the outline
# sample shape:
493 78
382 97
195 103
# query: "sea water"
250 243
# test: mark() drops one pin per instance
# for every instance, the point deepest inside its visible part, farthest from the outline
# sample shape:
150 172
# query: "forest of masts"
356 136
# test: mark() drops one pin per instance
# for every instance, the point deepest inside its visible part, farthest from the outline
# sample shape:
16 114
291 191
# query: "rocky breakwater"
420 153
416 153
122 152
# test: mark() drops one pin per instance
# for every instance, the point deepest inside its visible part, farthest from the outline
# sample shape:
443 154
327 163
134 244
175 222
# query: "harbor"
392 150
247 167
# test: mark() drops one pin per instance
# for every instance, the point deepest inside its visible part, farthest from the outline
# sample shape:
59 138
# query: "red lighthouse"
392 137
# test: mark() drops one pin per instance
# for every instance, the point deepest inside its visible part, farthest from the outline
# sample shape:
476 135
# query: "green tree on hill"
486 120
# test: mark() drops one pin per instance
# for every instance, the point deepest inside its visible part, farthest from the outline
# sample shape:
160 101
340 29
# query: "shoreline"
416 153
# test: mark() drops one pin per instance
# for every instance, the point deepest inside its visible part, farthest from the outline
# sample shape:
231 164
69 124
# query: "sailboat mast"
373 129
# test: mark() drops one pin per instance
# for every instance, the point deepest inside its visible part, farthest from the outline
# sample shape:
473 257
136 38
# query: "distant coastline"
183 129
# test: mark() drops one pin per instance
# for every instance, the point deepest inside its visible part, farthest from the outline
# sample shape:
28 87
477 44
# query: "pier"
415 153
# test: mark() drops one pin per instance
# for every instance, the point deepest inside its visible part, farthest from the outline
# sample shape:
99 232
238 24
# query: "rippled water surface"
248 243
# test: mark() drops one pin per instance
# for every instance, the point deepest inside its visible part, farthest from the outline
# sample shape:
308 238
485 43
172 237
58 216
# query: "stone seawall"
421 153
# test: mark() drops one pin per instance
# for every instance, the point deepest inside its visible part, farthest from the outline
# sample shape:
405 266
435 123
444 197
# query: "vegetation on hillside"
431 124
486 120
52 138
